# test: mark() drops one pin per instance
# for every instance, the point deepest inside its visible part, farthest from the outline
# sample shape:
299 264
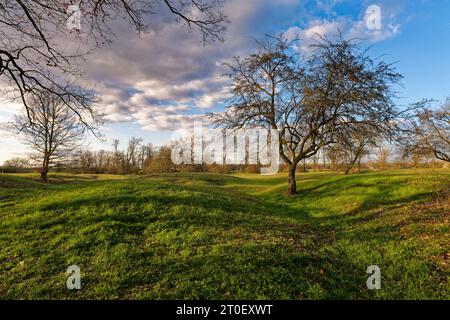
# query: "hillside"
192 236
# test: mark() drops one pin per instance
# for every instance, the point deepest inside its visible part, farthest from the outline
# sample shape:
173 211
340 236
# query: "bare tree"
87 159
310 101
382 153
38 52
351 148
161 161
17 163
115 145
145 155
54 134
132 154
429 132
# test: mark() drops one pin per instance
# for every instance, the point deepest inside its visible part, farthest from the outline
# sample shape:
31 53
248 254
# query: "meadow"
211 236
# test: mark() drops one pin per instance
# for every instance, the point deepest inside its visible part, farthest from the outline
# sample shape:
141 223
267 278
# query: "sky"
152 84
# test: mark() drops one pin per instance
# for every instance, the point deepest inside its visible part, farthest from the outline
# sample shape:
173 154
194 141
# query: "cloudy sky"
166 79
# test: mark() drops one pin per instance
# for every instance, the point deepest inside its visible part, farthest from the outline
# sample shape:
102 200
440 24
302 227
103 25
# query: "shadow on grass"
150 239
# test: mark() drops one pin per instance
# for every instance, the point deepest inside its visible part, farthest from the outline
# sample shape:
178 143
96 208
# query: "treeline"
144 158
137 158
141 158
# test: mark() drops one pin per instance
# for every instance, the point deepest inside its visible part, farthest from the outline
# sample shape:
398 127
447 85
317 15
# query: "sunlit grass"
192 236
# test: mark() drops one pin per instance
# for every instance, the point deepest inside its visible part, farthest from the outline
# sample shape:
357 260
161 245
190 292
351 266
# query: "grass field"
207 236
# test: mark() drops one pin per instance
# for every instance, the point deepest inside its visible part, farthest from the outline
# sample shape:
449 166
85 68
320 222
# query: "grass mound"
192 236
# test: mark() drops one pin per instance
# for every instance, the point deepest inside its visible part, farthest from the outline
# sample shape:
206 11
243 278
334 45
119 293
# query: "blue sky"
422 49
166 79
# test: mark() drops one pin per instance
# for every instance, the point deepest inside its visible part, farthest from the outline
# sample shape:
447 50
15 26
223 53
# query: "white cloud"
168 74
310 35
163 79
169 122
359 30
348 27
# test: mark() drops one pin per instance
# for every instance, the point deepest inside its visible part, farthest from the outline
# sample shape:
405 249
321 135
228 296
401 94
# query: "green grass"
207 236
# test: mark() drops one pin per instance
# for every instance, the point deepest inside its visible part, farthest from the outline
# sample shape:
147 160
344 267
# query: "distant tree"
54 134
35 56
118 161
145 155
87 159
310 101
161 161
382 153
102 161
115 145
132 154
429 132
134 159
351 148
414 157
17 163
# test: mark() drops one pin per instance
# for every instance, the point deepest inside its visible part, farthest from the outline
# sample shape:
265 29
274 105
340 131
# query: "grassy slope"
211 236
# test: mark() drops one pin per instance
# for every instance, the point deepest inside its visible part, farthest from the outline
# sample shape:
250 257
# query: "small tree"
17 163
429 132
310 102
55 132
132 154
145 155
14 165
161 161
350 149
382 154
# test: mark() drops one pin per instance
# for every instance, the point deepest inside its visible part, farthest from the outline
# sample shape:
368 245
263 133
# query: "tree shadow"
249 250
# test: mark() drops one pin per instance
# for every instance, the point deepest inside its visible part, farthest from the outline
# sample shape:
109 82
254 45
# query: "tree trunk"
356 158
292 183
351 165
324 160
44 175
347 171
44 170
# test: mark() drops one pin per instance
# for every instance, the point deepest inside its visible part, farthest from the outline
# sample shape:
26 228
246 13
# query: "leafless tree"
55 133
161 161
310 101
115 145
87 159
38 52
17 163
429 132
382 153
351 148
132 154
145 155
